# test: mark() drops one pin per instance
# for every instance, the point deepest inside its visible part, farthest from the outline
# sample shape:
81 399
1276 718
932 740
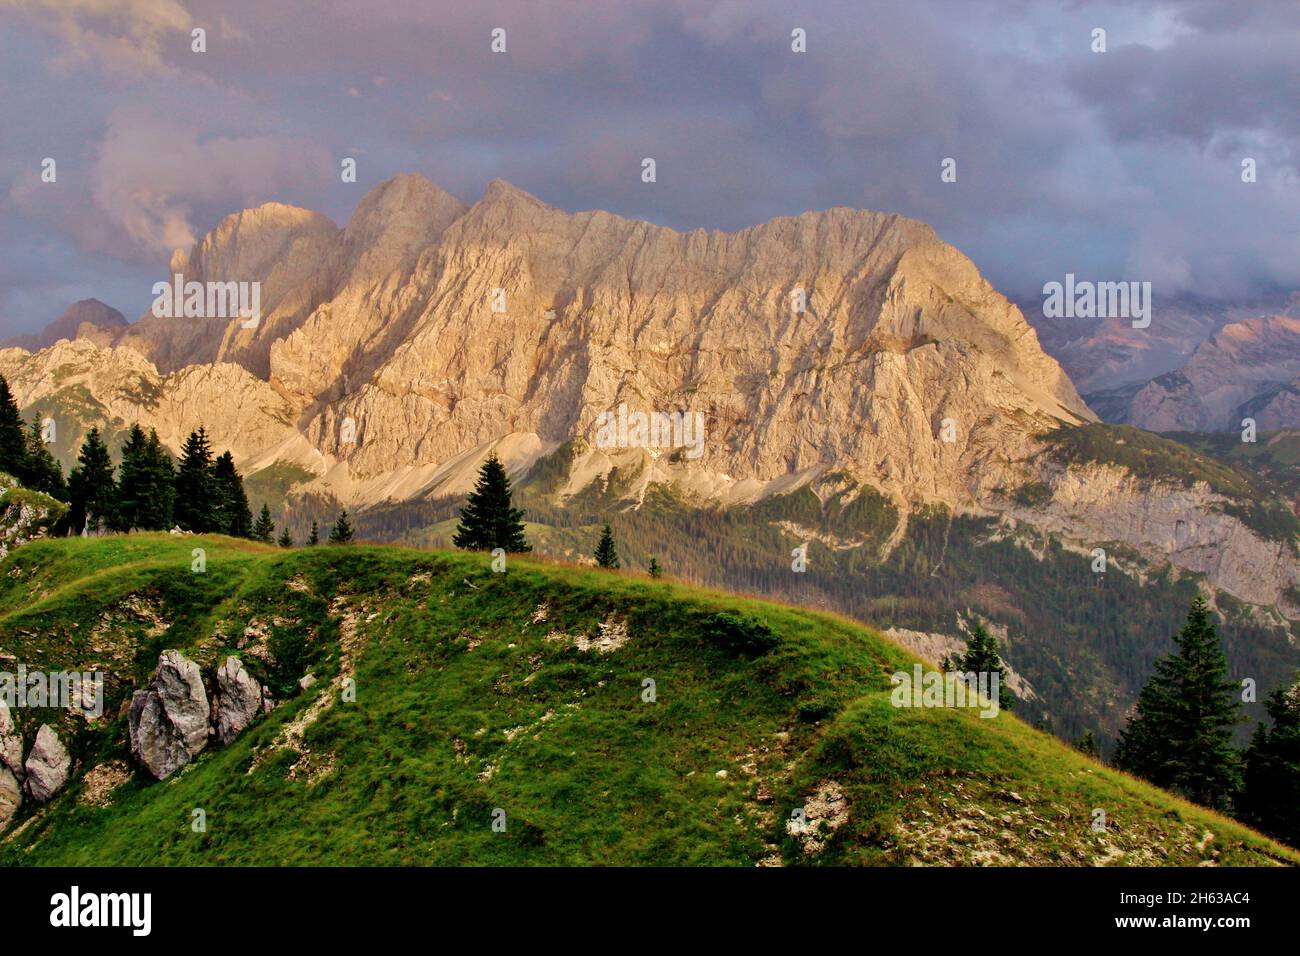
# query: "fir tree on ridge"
314 537
1087 744
44 473
91 489
231 515
606 554
341 533
1270 798
489 519
196 492
264 526
1180 734
13 443
285 540
145 484
982 657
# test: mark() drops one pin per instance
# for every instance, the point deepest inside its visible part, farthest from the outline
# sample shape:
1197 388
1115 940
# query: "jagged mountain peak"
836 339
502 190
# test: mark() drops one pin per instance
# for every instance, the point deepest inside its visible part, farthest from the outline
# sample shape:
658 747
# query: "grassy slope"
464 706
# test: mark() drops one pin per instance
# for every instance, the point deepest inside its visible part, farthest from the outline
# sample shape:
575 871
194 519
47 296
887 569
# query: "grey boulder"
47 765
168 722
239 699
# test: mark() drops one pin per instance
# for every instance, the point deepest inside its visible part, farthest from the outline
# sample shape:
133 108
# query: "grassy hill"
525 693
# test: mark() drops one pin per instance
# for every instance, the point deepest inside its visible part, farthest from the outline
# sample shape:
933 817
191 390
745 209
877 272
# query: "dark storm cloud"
1124 164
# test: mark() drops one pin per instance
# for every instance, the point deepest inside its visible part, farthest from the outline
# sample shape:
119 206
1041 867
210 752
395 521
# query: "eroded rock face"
239 699
169 721
47 765
894 331
1165 522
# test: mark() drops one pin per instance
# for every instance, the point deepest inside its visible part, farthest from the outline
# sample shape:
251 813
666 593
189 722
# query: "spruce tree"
133 480
341 533
1180 734
284 541
314 537
606 554
264 527
982 657
1271 797
196 492
233 516
91 491
1087 744
154 510
13 443
489 520
656 570
44 473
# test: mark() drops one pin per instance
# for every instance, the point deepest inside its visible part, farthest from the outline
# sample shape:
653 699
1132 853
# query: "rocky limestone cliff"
1097 505
385 334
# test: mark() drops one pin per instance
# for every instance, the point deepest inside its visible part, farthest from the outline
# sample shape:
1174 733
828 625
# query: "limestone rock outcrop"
11 795
168 722
239 699
47 765
11 743
11 766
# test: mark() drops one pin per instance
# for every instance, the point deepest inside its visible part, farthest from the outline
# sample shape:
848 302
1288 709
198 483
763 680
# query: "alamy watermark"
1098 300
208 300
635 429
923 688
68 690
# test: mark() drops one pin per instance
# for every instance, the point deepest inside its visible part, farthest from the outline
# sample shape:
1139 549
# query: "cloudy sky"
1123 164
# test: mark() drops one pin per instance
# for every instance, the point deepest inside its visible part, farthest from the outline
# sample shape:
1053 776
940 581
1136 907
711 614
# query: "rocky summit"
427 330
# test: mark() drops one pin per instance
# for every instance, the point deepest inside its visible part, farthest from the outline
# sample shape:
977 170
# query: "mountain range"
865 394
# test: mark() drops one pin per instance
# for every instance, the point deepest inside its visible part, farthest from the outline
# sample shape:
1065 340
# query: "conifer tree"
196 492
1180 734
13 443
264 527
133 480
1270 799
1087 744
656 570
489 519
44 473
284 541
982 657
233 516
606 554
154 510
314 537
91 491
341 533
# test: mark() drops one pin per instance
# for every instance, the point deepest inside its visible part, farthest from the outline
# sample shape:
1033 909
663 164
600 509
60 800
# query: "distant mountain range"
1200 366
